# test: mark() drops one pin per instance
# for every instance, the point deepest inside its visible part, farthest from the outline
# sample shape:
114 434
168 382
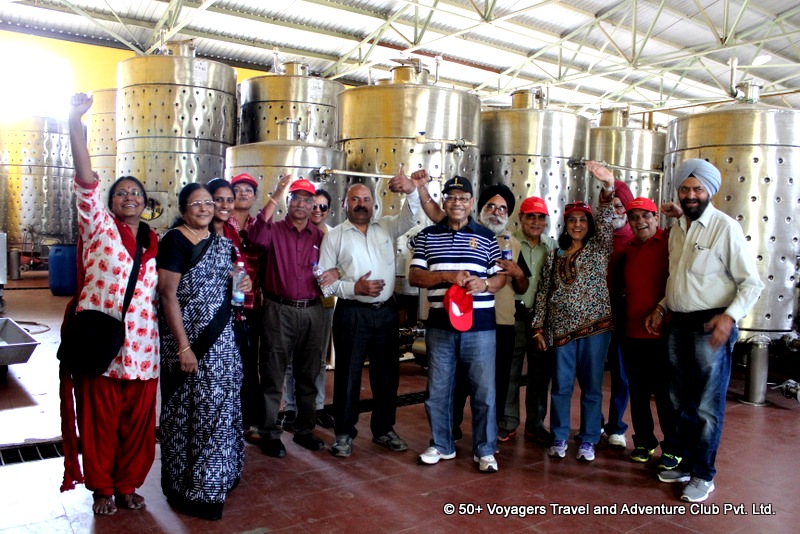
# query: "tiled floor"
379 491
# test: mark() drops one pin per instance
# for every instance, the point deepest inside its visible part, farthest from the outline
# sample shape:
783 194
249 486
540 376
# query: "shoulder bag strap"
137 262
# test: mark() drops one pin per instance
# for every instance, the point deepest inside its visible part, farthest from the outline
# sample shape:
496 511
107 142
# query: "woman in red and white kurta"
115 411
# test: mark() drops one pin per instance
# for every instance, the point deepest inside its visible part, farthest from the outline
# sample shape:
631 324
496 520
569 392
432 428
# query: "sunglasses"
321 207
245 240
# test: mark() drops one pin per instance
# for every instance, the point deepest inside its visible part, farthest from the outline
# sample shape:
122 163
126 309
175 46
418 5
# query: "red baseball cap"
244 178
303 185
458 304
534 205
642 203
577 206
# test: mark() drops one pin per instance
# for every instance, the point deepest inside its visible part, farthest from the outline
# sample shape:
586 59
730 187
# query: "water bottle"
507 253
237 295
327 291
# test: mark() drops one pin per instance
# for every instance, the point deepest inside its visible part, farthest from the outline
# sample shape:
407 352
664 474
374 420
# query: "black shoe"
457 434
325 420
391 441
504 435
273 447
309 441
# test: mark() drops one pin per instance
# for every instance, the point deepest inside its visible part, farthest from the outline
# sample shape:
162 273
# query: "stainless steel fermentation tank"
36 198
407 121
635 155
288 126
176 116
529 149
756 149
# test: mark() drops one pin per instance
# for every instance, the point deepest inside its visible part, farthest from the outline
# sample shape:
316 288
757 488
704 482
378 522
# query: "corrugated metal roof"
586 51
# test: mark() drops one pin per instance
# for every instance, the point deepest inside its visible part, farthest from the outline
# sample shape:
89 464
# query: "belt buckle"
377 305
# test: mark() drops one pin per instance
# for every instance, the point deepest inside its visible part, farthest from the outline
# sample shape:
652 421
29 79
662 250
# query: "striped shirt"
472 248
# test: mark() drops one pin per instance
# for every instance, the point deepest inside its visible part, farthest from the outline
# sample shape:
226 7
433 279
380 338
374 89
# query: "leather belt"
293 303
371 305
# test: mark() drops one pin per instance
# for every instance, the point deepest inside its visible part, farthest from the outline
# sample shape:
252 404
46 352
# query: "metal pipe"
573 163
322 173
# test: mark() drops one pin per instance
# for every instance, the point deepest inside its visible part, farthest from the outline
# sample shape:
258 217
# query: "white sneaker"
432 456
617 441
486 464
559 448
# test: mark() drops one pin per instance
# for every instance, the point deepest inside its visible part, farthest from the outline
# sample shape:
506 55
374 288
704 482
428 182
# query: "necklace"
208 233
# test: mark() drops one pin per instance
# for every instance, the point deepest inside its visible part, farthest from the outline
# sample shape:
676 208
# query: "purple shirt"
289 257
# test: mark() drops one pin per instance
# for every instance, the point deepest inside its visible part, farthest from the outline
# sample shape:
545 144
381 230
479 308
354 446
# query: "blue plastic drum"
62 269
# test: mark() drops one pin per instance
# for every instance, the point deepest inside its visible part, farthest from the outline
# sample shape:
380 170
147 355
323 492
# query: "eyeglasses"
297 199
321 207
460 200
198 203
502 210
245 240
133 193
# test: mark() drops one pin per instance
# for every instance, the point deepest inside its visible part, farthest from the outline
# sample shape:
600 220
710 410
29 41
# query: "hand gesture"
369 288
283 183
671 209
401 184
601 173
420 178
80 104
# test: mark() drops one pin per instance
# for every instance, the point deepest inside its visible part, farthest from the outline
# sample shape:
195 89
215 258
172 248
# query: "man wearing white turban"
712 284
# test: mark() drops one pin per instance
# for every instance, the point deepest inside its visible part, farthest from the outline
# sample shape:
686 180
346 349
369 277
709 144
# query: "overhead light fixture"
762 59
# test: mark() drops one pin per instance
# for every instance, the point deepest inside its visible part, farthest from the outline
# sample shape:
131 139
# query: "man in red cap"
535 245
244 194
615 428
645 271
293 316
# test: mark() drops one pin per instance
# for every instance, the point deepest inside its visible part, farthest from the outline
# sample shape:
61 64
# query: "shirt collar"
704 219
471 226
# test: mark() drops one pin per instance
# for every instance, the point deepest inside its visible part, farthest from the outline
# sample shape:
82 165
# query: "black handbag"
91 338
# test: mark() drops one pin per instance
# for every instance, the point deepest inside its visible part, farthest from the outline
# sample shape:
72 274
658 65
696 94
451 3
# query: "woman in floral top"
116 411
573 311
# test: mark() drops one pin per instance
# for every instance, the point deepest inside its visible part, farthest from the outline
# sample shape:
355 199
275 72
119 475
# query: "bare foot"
103 505
131 501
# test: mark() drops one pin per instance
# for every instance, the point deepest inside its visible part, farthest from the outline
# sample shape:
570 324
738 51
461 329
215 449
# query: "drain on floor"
31 453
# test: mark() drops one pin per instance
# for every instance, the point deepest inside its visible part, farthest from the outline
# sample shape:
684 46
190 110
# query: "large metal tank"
176 116
757 149
635 155
407 121
530 149
310 102
36 174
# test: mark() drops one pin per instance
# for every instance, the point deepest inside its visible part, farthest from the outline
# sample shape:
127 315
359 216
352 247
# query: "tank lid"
748 91
295 68
615 116
410 71
535 98
183 48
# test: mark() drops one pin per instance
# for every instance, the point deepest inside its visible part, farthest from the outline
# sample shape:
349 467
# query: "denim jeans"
475 352
618 401
585 358
700 378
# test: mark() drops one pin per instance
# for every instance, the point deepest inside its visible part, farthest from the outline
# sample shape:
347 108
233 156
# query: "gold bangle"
273 201
537 335
429 199
187 347
658 309
486 281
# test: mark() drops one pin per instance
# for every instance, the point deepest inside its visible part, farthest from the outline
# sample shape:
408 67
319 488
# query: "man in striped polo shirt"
459 252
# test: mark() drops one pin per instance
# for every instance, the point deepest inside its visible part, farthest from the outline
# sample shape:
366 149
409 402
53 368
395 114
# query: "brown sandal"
130 501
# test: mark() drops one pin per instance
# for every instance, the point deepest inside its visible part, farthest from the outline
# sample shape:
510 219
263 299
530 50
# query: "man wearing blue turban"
712 284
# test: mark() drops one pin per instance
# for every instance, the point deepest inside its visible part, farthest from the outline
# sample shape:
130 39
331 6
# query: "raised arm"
80 104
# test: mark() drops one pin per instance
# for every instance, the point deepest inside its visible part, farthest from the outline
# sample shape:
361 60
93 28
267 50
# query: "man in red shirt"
645 270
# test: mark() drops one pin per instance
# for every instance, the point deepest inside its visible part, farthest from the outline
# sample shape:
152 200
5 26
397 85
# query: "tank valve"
574 163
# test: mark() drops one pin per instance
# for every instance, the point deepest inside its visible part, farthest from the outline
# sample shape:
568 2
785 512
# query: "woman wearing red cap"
574 313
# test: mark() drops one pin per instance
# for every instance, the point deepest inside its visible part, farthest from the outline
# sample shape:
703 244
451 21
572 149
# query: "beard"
619 221
498 227
694 208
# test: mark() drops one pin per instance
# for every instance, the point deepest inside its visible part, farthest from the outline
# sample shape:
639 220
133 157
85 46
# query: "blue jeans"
584 358
475 353
700 378
620 390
